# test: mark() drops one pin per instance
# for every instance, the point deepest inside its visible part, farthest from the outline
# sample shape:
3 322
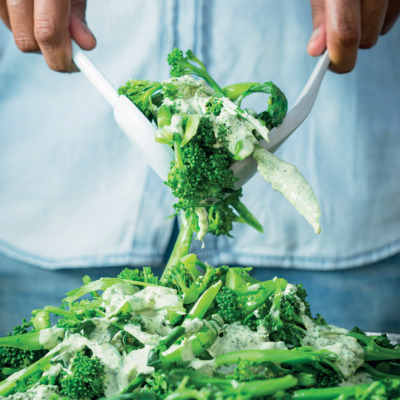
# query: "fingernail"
314 35
73 68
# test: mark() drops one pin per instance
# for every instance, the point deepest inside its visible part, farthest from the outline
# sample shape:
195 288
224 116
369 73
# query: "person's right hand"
343 27
47 26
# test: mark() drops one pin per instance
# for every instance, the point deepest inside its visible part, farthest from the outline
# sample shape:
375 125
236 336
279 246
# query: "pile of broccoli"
197 332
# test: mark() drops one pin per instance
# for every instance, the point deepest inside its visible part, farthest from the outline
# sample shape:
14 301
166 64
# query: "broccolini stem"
374 372
30 340
203 303
292 357
254 389
233 92
134 384
269 386
247 216
329 393
8 385
374 352
182 245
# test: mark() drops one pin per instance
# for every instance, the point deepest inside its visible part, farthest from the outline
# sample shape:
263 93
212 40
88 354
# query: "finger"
392 14
343 32
20 13
4 14
51 29
78 27
317 43
373 14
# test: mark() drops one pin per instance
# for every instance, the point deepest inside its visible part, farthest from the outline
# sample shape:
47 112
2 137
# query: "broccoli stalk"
31 340
204 302
374 352
181 247
298 357
229 389
386 389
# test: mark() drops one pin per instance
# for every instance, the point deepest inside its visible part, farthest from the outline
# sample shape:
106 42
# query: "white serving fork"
139 129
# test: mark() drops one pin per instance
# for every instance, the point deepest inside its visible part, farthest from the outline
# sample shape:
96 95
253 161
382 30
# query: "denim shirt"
74 192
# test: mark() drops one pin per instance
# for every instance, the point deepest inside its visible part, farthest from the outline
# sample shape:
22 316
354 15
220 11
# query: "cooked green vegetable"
202 332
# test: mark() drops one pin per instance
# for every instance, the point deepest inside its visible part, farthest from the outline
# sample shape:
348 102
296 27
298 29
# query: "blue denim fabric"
365 296
75 193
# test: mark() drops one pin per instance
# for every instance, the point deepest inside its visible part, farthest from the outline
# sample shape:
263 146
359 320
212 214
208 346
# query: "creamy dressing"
207 367
240 140
116 297
135 363
51 337
288 180
192 326
332 338
41 392
202 215
101 333
112 360
237 337
143 337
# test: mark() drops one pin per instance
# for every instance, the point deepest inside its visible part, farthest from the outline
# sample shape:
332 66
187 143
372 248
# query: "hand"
47 26
343 27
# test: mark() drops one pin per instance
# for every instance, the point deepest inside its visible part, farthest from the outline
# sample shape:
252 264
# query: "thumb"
78 28
317 43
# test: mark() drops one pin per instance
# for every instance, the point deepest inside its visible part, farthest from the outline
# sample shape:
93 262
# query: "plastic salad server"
245 169
129 118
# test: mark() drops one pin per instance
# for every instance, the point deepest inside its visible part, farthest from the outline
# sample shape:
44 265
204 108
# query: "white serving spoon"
129 118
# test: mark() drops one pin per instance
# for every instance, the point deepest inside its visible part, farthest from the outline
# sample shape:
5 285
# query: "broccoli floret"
190 65
142 93
247 371
281 317
228 305
222 134
86 380
200 171
214 106
140 275
13 358
238 300
158 383
205 132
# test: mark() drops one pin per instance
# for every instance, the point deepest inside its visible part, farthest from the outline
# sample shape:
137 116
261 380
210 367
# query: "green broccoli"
142 93
86 380
140 275
13 359
190 65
